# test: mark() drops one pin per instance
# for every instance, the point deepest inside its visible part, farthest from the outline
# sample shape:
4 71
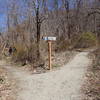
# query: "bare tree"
39 18
67 8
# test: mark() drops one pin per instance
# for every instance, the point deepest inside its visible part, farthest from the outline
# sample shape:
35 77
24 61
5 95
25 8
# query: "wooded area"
75 23
71 31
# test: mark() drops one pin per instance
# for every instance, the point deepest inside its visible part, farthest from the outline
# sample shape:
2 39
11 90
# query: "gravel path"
63 84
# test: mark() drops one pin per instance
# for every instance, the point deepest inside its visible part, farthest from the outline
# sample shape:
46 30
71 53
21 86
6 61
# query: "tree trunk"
38 41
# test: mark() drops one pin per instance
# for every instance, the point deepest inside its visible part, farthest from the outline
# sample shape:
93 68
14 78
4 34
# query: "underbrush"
24 53
62 44
92 85
85 40
28 53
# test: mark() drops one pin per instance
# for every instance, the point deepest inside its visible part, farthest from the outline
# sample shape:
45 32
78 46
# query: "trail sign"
49 40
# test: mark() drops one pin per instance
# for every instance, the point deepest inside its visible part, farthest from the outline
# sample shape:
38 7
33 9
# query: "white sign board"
49 38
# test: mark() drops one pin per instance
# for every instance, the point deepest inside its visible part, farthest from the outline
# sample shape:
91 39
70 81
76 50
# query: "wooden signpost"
49 40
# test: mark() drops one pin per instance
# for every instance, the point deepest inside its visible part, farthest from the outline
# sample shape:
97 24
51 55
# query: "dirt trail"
63 84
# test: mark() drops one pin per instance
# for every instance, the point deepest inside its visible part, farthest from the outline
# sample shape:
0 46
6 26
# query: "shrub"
20 54
86 40
25 54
